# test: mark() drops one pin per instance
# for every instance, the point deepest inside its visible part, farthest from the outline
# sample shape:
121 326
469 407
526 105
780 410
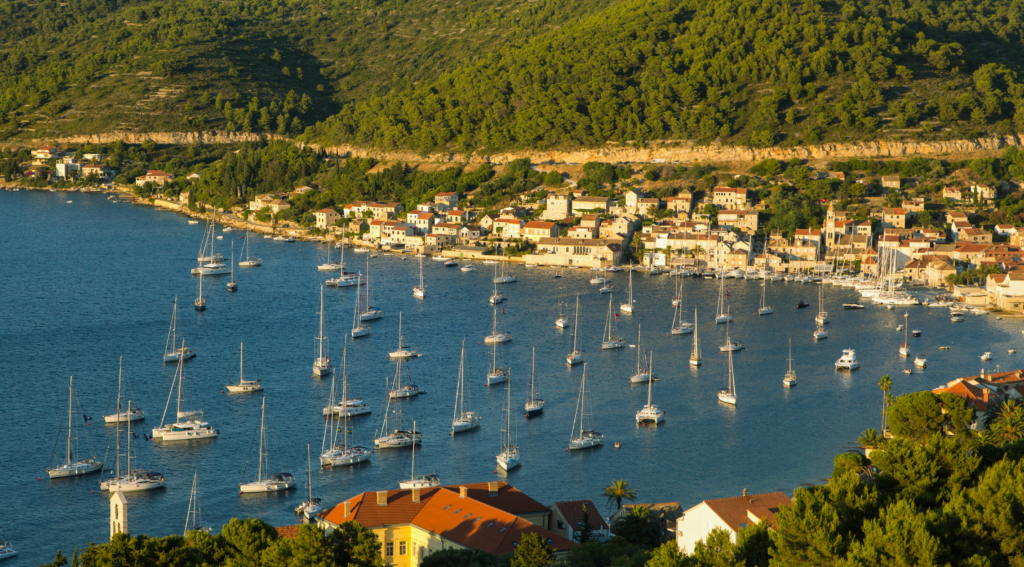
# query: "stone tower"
118 514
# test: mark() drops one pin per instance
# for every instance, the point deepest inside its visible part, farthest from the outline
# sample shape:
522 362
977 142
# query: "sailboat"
765 309
212 264
679 326
610 341
728 395
730 345
790 379
820 333
368 312
401 390
421 291
639 373
509 457
504 278
496 374
402 352
586 437
200 303
194 516
131 481
463 419
330 266
575 356
424 481
905 347
322 364
695 360
332 453
677 299
73 466
562 321
534 406
393 438
627 307
312 505
6 549
344 279
232 285
243 385
272 482
822 317
250 260
723 315
496 336
496 297
170 353
119 415
650 412
190 424
358 328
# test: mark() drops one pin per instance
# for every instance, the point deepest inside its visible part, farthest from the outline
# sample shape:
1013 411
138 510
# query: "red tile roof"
737 510
540 224
573 512
288 532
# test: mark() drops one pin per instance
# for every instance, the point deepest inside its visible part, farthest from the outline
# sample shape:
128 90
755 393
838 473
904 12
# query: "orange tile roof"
288 532
734 511
573 512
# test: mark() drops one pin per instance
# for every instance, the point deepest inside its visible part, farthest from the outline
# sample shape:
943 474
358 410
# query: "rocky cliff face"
679 152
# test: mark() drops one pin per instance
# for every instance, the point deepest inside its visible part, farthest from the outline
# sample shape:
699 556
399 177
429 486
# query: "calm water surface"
85 283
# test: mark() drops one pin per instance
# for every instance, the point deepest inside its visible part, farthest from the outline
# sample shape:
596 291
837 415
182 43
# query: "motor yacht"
848 361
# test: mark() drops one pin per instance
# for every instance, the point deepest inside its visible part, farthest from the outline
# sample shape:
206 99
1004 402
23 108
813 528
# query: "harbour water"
86 282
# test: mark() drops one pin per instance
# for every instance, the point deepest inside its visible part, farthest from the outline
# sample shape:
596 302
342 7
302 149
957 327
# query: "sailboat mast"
696 340
650 370
344 390
575 325
533 375
263 414
181 378
70 398
120 362
128 452
320 354
508 415
413 475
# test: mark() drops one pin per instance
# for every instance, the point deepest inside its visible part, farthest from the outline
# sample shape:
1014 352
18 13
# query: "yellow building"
411 524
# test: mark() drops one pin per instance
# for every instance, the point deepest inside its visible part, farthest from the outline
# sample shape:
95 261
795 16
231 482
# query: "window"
401 548
389 549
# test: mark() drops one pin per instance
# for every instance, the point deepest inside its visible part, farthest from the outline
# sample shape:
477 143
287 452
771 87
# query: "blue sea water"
87 282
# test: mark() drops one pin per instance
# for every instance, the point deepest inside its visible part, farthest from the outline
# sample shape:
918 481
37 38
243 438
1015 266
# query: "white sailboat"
790 379
211 264
420 291
402 351
232 285
496 297
586 437
369 312
730 345
250 260
322 363
627 307
905 347
401 390
389 438
358 328
509 457
764 309
728 395
723 315
640 374
822 317
189 425
504 278
562 321
695 359
333 453
194 516
330 266
200 303
72 465
497 336
650 412
132 480
610 341
423 481
119 415
312 505
243 386
463 419
496 374
575 356
534 406
679 326
170 353
820 333
272 482
677 299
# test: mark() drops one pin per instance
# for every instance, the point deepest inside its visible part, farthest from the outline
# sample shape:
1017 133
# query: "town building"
567 520
1006 291
325 218
745 221
730 198
558 206
589 253
891 181
155 177
974 236
445 202
535 230
46 152
730 514
590 204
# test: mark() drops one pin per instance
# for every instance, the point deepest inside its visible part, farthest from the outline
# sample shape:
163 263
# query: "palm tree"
886 385
870 439
618 490
638 527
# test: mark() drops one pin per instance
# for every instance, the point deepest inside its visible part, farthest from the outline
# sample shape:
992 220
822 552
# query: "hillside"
92 66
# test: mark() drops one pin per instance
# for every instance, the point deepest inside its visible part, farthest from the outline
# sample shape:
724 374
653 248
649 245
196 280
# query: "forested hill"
757 72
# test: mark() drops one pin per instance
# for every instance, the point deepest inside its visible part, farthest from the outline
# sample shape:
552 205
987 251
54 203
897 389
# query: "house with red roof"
567 520
730 514
326 218
535 230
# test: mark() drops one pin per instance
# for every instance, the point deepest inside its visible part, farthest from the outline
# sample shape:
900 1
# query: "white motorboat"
640 370
270 482
534 406
123 415
250 260
610 341
586 436
575 356
243 386
451 264
920 361
438 258
172 354
131 480
695 358
463 419
7 550
422 481
420 291
368 312
189 425
956 318
509 457
987 356
73 465
728 395
358 329
322 362
402 351
612 269
789 380
627 307
650 412
468 268
336 452
820 333
848 361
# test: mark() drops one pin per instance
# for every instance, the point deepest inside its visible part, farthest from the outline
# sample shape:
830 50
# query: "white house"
730 514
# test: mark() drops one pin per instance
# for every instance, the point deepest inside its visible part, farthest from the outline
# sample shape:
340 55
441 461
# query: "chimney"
348 508
744 491
416 496
463 491
492 488
382 497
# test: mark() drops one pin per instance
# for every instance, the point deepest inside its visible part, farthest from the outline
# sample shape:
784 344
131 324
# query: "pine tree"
586 532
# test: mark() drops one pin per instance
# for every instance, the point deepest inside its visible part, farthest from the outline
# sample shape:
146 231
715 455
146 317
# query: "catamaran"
243 386
424 481
312 505
790 379
586 437
273 482
72 465
650 412
172 339
764 309
723 315
463 419
232 285
333 453
369 312
695 360
575 356
250 260
610 341
189 424
119 414
402 352
728 395
534 406
509 457
627 307
358 328
131 481
639 373
322 364
420 291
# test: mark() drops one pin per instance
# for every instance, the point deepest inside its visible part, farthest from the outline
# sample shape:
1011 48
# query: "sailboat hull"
370 315
640 378
125 417
508 461
321 369
574 358
266 486
467 422
534 408
342 458
727 397
695 362
75 469
360 332
499 338
682 329
135 484
562 322
251 263
612 345
626 308
178 355
496 378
